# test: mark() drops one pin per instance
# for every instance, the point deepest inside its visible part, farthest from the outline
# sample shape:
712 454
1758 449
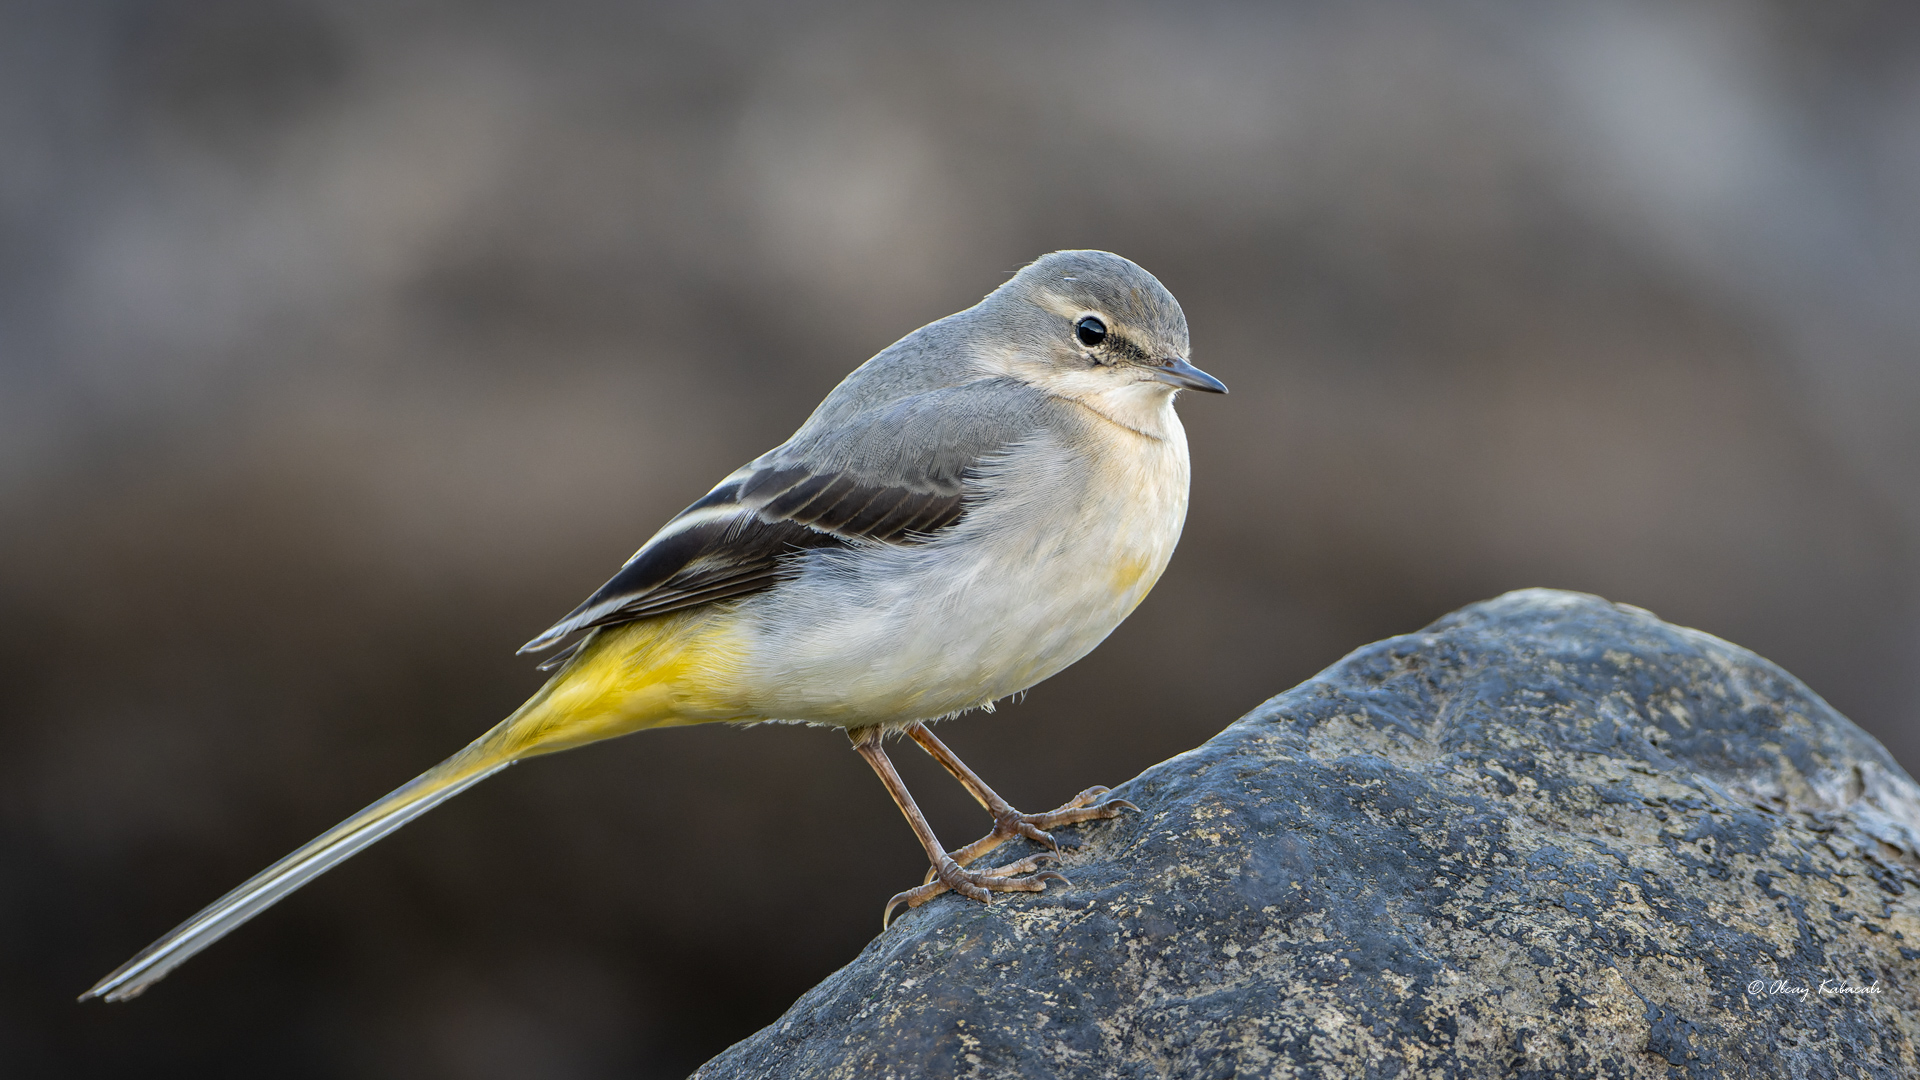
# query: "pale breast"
1065 535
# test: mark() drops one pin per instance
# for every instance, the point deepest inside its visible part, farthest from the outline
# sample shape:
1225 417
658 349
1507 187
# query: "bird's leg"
1008 822
947 874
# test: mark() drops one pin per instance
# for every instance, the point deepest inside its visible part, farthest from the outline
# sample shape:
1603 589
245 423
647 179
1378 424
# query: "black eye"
1090 331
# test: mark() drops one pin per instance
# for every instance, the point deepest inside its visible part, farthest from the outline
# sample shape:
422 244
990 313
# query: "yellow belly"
659 672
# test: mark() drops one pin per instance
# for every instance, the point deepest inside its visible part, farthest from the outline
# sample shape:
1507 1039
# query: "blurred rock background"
343 346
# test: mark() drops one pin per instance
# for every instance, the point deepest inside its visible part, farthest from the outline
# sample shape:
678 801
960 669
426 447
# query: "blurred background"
343 346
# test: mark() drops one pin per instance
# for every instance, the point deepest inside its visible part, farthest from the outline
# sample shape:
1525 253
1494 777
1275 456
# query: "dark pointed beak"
1178 372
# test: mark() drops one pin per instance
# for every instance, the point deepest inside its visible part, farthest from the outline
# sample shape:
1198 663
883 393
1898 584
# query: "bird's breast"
1063 537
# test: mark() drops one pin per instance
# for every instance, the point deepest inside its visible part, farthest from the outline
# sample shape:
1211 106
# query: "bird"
966 514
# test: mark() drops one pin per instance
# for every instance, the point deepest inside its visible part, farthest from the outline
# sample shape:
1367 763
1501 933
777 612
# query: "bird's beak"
1178 372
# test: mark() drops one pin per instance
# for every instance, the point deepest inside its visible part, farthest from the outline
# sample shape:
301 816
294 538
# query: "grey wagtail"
966 514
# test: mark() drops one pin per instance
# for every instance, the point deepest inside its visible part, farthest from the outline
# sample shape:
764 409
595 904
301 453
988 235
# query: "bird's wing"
893 474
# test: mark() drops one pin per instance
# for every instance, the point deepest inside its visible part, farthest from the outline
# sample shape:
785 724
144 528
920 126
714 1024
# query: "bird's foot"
952 874
1022 876
1009 823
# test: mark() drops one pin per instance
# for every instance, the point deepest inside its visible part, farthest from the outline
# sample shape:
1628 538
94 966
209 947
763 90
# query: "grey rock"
1546 836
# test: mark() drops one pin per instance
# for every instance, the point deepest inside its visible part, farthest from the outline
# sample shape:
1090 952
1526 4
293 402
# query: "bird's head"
1092 326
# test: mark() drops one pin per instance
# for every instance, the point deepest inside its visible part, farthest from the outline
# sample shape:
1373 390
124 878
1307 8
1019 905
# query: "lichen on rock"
1546 836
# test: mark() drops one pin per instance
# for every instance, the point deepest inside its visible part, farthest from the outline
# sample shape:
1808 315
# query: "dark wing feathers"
894 478
715 559
775 513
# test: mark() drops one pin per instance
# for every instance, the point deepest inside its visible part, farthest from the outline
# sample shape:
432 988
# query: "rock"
1546 836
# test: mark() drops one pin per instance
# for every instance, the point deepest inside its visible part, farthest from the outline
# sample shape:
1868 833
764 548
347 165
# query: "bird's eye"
1090 331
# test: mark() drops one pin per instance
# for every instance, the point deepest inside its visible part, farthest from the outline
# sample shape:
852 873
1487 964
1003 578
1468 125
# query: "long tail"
271 885
626 678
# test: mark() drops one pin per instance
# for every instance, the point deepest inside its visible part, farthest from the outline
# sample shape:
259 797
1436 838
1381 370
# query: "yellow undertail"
660 672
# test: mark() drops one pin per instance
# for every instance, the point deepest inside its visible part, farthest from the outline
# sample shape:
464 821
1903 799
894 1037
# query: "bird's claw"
1083 807
950 875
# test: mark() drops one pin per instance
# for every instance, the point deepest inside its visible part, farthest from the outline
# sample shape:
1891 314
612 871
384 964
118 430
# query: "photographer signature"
1827 988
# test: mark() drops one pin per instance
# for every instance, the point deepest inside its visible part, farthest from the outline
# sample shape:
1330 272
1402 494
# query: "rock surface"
1546 836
